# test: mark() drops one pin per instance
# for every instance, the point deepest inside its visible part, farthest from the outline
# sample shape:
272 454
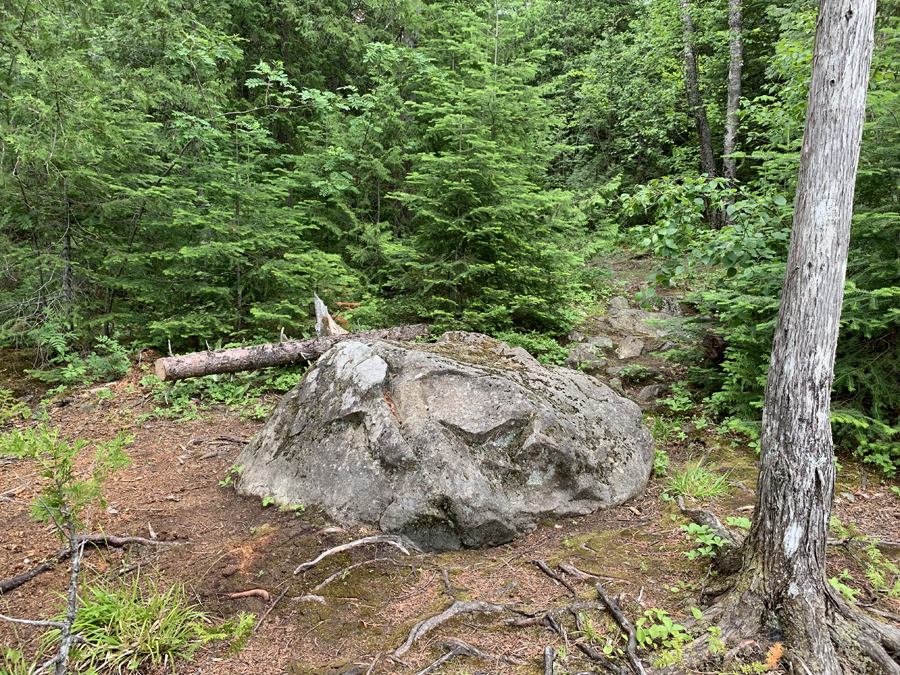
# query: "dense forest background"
189 173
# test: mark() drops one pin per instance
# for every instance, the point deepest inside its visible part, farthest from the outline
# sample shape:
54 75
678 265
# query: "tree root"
460 648
377 539
458 607
627 626
542 566
832 638
108 540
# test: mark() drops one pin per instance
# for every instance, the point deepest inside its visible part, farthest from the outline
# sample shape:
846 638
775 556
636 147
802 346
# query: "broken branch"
10 584
626 625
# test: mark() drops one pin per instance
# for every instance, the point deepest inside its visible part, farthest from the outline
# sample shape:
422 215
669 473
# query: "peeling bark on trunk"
782 581
735 66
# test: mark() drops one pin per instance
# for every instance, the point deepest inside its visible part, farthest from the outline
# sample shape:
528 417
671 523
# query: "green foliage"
106 361
10 408
708 543
66 497
695 481
660 462
138 625
656 630
544 348
837 583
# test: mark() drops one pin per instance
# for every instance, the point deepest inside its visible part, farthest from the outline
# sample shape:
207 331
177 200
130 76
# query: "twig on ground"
231 439
14 582
344 571
271 607
211 454
594 655
418 590
627 626
542 566
549 655
377 539
458 607
374 661
255 592
573 571
310 598
460 648
27 622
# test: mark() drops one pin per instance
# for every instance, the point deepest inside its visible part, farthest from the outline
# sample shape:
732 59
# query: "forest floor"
372 596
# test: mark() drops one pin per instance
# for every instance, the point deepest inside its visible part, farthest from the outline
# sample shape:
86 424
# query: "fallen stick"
272 354
460 648
377 539
458 607
10 584
594 655
542 566
537 619
347 569
549 655
573 571
627 626
256 592
271 607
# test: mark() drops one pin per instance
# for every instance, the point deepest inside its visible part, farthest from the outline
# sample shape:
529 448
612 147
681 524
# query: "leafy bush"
107 361
544 348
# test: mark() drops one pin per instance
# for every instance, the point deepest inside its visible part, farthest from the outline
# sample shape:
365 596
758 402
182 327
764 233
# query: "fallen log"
273 354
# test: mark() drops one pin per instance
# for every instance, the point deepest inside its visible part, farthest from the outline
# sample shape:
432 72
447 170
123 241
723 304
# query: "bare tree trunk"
782 581
735 66
695 101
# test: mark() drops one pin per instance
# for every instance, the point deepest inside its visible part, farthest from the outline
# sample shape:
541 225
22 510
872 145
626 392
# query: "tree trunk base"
821 634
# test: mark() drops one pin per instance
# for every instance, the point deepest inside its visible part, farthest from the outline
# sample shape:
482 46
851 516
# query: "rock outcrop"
462 443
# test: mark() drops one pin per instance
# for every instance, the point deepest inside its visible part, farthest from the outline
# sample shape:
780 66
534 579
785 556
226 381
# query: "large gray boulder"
462 443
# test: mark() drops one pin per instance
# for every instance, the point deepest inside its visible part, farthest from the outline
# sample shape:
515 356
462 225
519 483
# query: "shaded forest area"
178 175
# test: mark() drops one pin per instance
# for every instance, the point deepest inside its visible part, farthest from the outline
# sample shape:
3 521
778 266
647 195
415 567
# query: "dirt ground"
371 596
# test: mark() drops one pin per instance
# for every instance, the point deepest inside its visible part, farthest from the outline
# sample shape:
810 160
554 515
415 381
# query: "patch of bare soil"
370 597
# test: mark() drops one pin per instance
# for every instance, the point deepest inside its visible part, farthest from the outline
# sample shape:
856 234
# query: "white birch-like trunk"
784 556
735 67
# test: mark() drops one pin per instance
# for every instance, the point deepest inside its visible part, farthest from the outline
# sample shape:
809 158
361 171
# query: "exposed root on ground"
825 636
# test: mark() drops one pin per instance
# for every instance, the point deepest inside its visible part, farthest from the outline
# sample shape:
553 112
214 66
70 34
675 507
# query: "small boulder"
574 336
639 321
618 302
630 348
462 443
601 341
586 357
650 392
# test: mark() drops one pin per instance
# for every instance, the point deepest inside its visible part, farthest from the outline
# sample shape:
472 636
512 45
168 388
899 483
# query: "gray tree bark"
692 85
735 67
782 581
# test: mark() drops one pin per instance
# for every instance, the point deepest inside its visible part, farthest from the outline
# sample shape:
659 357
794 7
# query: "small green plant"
660 462
708 543
837 583
666 430
293 508
697 482
10 408
138 626
268 501
107 361
656 629
233 472
543 347
739 522
66 498
679 399
635 373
